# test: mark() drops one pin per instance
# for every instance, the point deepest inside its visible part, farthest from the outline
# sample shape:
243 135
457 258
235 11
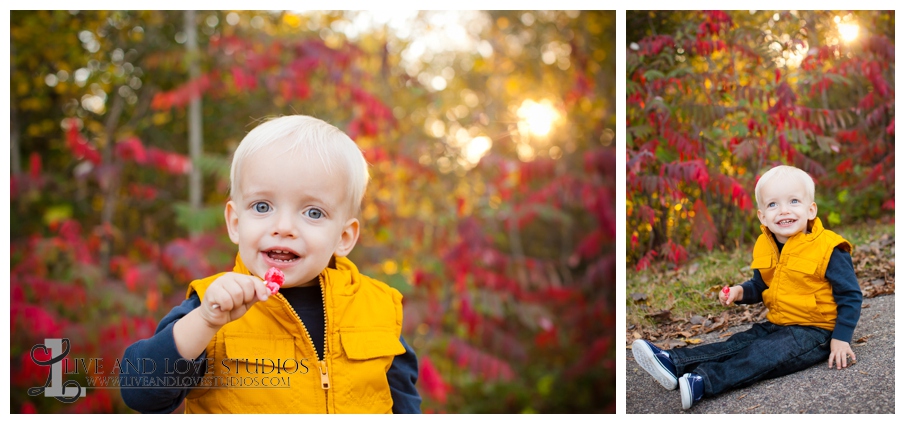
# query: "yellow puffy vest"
798 293
253 359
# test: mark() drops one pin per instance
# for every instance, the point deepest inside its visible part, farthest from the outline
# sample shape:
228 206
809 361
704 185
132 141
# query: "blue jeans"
764 351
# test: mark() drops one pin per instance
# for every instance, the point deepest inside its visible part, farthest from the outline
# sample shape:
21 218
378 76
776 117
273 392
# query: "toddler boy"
330 340
804 275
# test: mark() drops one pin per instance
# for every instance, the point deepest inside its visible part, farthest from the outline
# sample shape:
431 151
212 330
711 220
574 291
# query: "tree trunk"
195 134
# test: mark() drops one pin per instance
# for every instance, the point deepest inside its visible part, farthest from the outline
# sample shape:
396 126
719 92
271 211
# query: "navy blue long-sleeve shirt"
161 349
846 292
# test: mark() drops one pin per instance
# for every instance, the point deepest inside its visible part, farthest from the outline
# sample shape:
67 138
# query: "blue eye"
771 204
261 207
314 213
795 201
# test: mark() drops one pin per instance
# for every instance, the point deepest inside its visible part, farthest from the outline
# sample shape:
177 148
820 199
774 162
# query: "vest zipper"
321 363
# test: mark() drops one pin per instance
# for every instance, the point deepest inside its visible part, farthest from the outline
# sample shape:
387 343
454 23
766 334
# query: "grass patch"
692 289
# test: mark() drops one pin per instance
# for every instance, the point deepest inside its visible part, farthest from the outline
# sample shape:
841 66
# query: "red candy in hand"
274 279
726 292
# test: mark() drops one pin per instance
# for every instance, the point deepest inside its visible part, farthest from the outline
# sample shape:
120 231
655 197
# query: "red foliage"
80 147
431 380
703 228
182 95
671 159
646 260
488 366
654 44
28 408
169 162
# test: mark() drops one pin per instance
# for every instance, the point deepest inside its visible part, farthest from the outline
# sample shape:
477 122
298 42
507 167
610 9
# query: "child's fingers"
261 290
219 301
249 289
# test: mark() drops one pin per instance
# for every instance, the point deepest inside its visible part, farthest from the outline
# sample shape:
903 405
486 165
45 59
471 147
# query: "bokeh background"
491 208
716 98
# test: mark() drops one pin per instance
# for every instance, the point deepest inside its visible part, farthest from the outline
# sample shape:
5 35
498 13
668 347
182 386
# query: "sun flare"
537 117
848 32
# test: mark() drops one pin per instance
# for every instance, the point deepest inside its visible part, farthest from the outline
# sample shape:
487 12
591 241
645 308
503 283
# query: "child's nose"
284 225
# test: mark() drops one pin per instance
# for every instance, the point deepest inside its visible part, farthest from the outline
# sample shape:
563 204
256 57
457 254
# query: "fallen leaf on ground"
693 341
664 315
742 396
754 407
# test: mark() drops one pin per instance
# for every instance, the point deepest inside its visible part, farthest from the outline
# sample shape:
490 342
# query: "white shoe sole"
644 356
687 402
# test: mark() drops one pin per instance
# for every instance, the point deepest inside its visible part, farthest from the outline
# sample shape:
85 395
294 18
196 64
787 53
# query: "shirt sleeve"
150 390
402 376
846 292
753 289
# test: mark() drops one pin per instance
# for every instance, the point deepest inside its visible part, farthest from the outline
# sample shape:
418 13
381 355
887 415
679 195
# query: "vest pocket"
369 344
262 349
802 265
262 372
800 310
369 355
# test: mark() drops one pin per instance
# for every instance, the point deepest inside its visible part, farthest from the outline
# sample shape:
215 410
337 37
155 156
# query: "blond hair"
314 138
787 172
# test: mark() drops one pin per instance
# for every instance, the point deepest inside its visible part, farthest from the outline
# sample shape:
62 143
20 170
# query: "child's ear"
760 216
232 221
812 211
348 238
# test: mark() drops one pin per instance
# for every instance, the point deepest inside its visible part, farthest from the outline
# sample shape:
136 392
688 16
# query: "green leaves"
199 221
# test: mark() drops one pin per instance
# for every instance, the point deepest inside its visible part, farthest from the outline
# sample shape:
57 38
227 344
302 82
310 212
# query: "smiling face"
785 208
289 212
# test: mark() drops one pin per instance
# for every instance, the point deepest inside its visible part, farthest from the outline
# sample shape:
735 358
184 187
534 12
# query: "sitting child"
329 341
804 275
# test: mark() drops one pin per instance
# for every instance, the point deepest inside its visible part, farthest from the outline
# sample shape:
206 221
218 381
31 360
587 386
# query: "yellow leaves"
160 118
369 212
495 201
693 341
32 103
513 86
389 267
426 208
57 213
384 194
39 129
292 20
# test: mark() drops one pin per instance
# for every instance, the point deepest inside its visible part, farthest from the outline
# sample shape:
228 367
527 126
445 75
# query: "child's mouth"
278 255
786 222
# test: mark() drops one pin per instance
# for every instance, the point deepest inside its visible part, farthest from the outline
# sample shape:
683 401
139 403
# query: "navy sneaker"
655 362
692 388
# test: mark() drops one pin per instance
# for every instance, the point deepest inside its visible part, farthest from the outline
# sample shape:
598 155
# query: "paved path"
866 387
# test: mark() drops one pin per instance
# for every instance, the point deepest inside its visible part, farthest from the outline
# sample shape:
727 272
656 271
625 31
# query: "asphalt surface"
865 387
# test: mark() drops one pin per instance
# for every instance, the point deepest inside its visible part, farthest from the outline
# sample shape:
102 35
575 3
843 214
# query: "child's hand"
838 351
230 296
735 293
